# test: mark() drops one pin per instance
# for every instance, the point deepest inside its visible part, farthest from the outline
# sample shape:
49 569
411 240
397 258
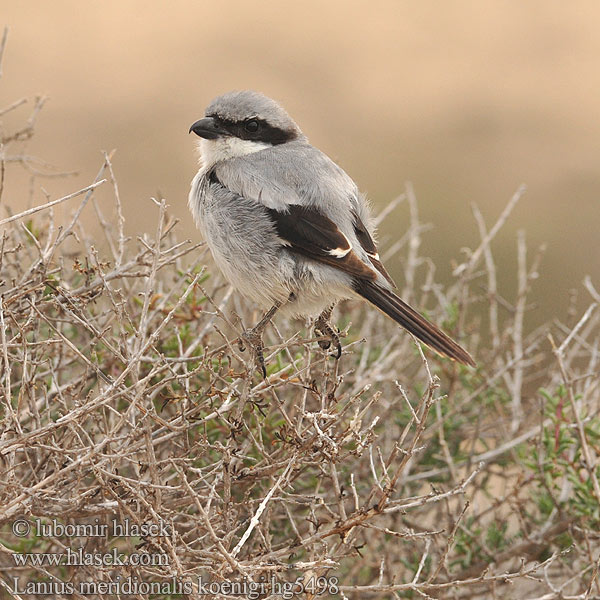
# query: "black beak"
207 128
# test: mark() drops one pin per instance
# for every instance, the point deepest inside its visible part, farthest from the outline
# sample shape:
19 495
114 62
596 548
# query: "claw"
339 348
254 340
324 329
323 344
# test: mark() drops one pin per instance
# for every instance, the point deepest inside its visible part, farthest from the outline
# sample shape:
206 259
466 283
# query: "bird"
288 227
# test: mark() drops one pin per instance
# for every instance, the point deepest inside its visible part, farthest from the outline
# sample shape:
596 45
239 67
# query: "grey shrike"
287 226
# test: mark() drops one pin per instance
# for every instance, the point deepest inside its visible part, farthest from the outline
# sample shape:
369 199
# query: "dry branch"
388 473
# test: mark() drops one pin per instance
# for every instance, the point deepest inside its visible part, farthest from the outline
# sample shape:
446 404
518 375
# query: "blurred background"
467 100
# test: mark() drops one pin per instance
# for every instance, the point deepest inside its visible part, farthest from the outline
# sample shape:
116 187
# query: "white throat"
214 151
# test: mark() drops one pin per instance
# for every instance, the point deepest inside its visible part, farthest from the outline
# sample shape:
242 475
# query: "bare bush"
126 402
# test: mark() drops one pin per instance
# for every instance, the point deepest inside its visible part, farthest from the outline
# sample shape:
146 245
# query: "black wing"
307 231
366 241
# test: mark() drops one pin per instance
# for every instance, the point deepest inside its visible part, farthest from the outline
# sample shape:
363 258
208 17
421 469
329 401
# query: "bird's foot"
253 339
324 329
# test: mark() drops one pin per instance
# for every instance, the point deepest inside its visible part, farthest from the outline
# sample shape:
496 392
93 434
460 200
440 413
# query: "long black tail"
412 321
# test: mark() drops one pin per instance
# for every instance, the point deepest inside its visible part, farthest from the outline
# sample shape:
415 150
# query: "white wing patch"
339 252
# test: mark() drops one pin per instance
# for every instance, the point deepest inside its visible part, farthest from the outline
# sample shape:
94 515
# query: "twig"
2 47
36 209
256 517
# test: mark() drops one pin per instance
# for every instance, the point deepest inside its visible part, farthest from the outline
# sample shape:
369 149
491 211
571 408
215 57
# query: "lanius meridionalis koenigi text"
287 226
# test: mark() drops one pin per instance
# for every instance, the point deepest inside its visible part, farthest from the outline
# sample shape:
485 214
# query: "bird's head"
240 123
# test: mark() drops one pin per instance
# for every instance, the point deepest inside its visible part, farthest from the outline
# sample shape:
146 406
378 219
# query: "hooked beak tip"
207 128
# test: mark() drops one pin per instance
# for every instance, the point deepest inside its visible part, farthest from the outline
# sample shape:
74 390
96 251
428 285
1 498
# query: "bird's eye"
251 126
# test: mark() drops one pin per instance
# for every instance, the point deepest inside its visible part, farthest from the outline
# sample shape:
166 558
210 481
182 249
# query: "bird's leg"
253 338
323 328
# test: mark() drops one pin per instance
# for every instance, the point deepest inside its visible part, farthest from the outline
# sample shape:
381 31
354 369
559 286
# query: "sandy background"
465 99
